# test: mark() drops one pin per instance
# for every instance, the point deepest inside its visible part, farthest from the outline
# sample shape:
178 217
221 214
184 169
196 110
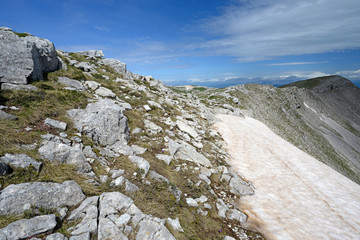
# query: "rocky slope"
90 150
94 151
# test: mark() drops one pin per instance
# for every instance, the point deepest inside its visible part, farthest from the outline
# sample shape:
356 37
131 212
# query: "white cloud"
101 28
259 30
353 75
294 63
77 48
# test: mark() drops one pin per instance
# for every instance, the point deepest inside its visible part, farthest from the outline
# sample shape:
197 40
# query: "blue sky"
203 42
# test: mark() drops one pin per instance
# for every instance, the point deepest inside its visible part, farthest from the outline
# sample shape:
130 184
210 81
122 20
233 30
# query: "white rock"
191 202
55 124
175 224
105 92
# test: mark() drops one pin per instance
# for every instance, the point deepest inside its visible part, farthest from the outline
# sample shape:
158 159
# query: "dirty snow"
296 196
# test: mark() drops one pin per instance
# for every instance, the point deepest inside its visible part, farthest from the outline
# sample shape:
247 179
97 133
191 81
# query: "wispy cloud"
259 30
77 48
294 63
353 75
102 28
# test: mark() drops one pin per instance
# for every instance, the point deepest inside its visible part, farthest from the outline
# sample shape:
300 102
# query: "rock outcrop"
25 58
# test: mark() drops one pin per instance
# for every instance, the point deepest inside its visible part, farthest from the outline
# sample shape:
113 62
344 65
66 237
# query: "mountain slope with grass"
90 150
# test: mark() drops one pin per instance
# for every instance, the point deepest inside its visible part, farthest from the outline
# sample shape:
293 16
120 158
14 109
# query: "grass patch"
22 34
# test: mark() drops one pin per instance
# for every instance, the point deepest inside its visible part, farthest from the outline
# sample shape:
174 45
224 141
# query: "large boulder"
25 228
20 161
103 121
23 58
15 199
92 54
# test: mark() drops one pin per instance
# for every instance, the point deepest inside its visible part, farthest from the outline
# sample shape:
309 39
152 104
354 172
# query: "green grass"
22 34
308 84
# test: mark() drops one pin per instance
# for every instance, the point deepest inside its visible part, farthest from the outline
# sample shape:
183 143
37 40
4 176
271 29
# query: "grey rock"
240 187
56 124
123 220
117 182
11 86
229 238
147 108
92 54
105 92
84 236
103 178
20 161
108 230
92 85
56 236
84 207
141 163
207 206
136 130
15 199
6 116
152 228
187 129
189 153
25 228
138 150
117 65
191 202
152 127
86 67
71 83
202 212
117 173
204 178
63 153
222 208
237 215
175 224
103 121
23 58
173 147
130 187
112 203
154 175
166 158
88 152
201 199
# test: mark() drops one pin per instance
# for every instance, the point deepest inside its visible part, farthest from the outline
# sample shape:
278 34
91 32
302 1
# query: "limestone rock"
56 236
25 57
63 153
117 65
6 116
92 85
56 124
234 214
130 187
103 121
175 224
240 187
92 54
152 127
84 236
15 199
166 158
141 163
187 129
71 83
222 208
189 153
105 92
191 202
84 207
20 161
11 86
25 228
153 228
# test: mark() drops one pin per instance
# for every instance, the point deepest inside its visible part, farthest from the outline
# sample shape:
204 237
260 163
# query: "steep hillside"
93 151
320 116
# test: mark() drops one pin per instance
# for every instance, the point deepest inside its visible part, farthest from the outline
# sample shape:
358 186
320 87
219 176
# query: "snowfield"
296 196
